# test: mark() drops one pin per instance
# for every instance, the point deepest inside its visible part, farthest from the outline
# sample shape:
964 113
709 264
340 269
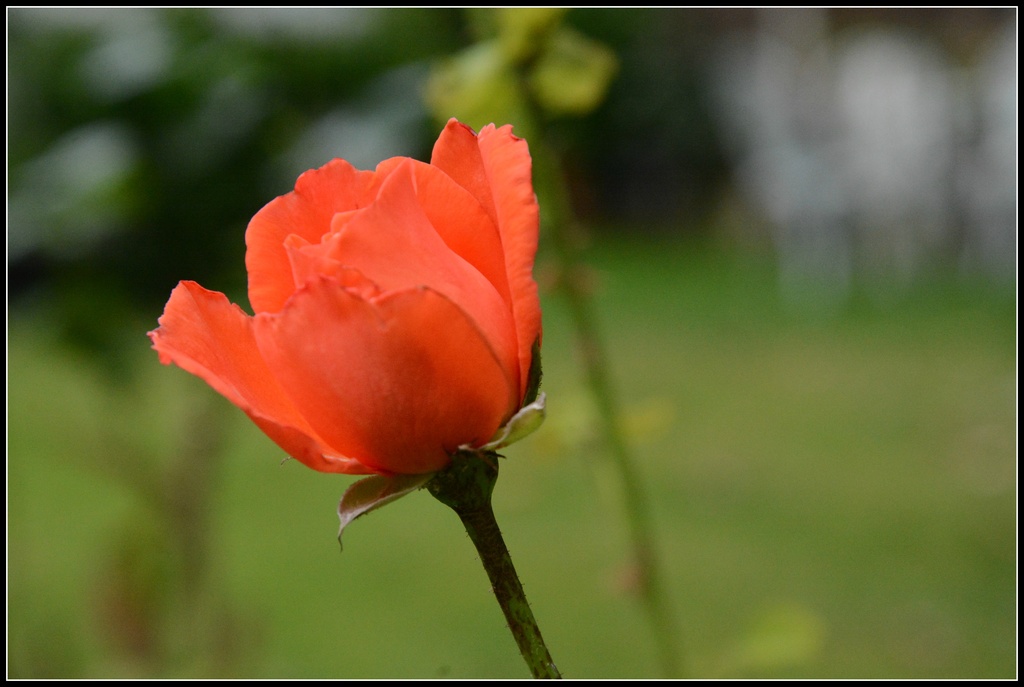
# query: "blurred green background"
802 228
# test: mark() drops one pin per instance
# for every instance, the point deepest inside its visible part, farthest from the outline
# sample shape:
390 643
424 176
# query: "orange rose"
396 311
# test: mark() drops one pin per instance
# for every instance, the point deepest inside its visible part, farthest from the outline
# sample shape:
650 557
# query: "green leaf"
478 87
373 492
572 75
523 31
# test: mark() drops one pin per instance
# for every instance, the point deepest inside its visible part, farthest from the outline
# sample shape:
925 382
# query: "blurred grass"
835 497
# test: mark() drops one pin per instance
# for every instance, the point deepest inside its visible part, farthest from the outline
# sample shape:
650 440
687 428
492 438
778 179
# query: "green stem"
466 487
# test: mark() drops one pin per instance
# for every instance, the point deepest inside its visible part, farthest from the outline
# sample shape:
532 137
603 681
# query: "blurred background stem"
564 234
572 285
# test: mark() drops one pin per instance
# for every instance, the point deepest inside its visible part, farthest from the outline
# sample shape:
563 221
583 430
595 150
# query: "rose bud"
396 314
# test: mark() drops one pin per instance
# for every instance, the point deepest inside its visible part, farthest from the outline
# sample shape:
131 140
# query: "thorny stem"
466 487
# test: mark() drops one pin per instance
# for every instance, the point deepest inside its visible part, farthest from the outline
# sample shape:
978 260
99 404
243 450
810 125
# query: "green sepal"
373 492
519 426
534 376
468 481
529 417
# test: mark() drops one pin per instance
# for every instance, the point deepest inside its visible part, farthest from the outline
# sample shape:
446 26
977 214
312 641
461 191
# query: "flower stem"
466 487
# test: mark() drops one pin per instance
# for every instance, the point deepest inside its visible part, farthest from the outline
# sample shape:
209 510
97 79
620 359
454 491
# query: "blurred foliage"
144 139
563 71
147 138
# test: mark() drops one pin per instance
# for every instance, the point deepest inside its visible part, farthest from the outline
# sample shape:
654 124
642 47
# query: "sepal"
373 492
522 424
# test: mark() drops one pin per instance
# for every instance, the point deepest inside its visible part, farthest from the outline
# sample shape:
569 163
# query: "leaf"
573 74
523 31
477 86
373 492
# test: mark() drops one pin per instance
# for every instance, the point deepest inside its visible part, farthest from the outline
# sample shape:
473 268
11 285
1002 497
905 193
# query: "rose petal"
306 212
495 167
457 154
394 244
463 224
201 332
310 261
397 383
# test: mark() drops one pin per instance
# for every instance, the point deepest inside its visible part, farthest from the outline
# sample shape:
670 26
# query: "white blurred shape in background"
870 152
